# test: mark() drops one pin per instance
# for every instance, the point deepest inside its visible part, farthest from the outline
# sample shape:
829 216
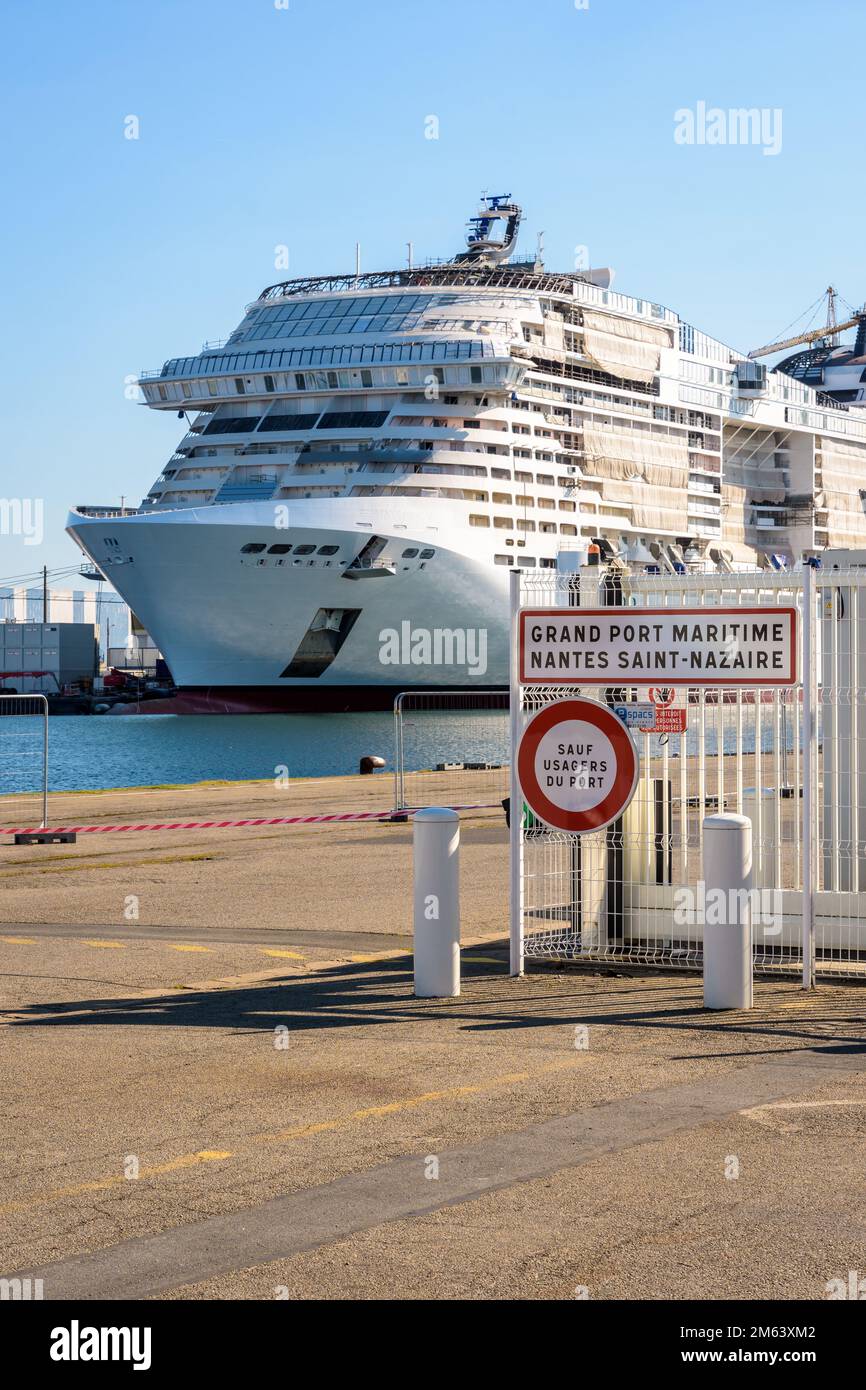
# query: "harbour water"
118 751
128 751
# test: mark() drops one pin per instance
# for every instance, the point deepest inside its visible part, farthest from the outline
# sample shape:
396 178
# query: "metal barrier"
450 748
793 760
23 753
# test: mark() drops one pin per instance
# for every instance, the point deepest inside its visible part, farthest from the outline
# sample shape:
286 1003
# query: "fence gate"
451 748
24 760
792 759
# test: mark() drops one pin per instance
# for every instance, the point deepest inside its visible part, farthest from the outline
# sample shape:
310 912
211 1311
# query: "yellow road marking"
115 1180
410 1103
172 947
290 955
360 958
115 945
297 1132
19 940
54 868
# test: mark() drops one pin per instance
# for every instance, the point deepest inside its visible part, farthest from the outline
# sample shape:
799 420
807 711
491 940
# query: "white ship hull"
235 622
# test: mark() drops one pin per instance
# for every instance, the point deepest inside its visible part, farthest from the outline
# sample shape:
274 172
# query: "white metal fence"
24 759
451 748
635 890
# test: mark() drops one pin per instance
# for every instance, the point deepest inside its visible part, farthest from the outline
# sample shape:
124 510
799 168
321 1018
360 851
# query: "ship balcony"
256 487
370 569
90 571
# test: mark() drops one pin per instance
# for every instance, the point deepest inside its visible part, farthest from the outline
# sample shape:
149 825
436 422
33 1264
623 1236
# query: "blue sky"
305 127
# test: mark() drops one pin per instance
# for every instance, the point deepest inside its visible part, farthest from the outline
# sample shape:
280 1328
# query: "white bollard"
437 902
728 912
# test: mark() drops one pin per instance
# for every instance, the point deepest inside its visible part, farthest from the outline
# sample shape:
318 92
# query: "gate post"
728 959
436 902
515 896
810 739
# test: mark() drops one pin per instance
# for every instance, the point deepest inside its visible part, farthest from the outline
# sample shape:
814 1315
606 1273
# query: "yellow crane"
830 330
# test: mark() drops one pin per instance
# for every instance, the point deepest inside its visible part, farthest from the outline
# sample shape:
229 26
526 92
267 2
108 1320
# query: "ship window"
279 549
427 554
212 387
304 549
300 381
253 548
232 424
409 554
163 394
327 550
475 374
366 378
239 386
289 422
184 386
269 383
476 519
502 559
352 419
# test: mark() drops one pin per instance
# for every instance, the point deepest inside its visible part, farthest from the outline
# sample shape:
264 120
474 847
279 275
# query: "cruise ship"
368 456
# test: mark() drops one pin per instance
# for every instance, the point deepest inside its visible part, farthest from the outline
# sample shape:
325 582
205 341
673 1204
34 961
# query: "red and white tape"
337 816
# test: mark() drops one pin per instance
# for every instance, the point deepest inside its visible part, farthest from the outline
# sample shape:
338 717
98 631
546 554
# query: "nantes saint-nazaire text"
735 645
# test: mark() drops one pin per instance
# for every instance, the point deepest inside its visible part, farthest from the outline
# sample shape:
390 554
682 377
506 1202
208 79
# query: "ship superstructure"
369 451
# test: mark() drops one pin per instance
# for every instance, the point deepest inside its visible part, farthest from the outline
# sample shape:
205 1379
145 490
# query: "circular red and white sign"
662 695
577 765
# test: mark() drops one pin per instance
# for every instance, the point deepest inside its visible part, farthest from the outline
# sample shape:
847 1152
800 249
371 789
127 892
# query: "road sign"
637 716
661 694
670 720
754 647
577 765
652 719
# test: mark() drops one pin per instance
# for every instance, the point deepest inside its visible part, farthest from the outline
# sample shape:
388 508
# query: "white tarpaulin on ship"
661 460
623 347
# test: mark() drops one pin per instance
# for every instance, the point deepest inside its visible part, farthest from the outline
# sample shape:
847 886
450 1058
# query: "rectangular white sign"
659 646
